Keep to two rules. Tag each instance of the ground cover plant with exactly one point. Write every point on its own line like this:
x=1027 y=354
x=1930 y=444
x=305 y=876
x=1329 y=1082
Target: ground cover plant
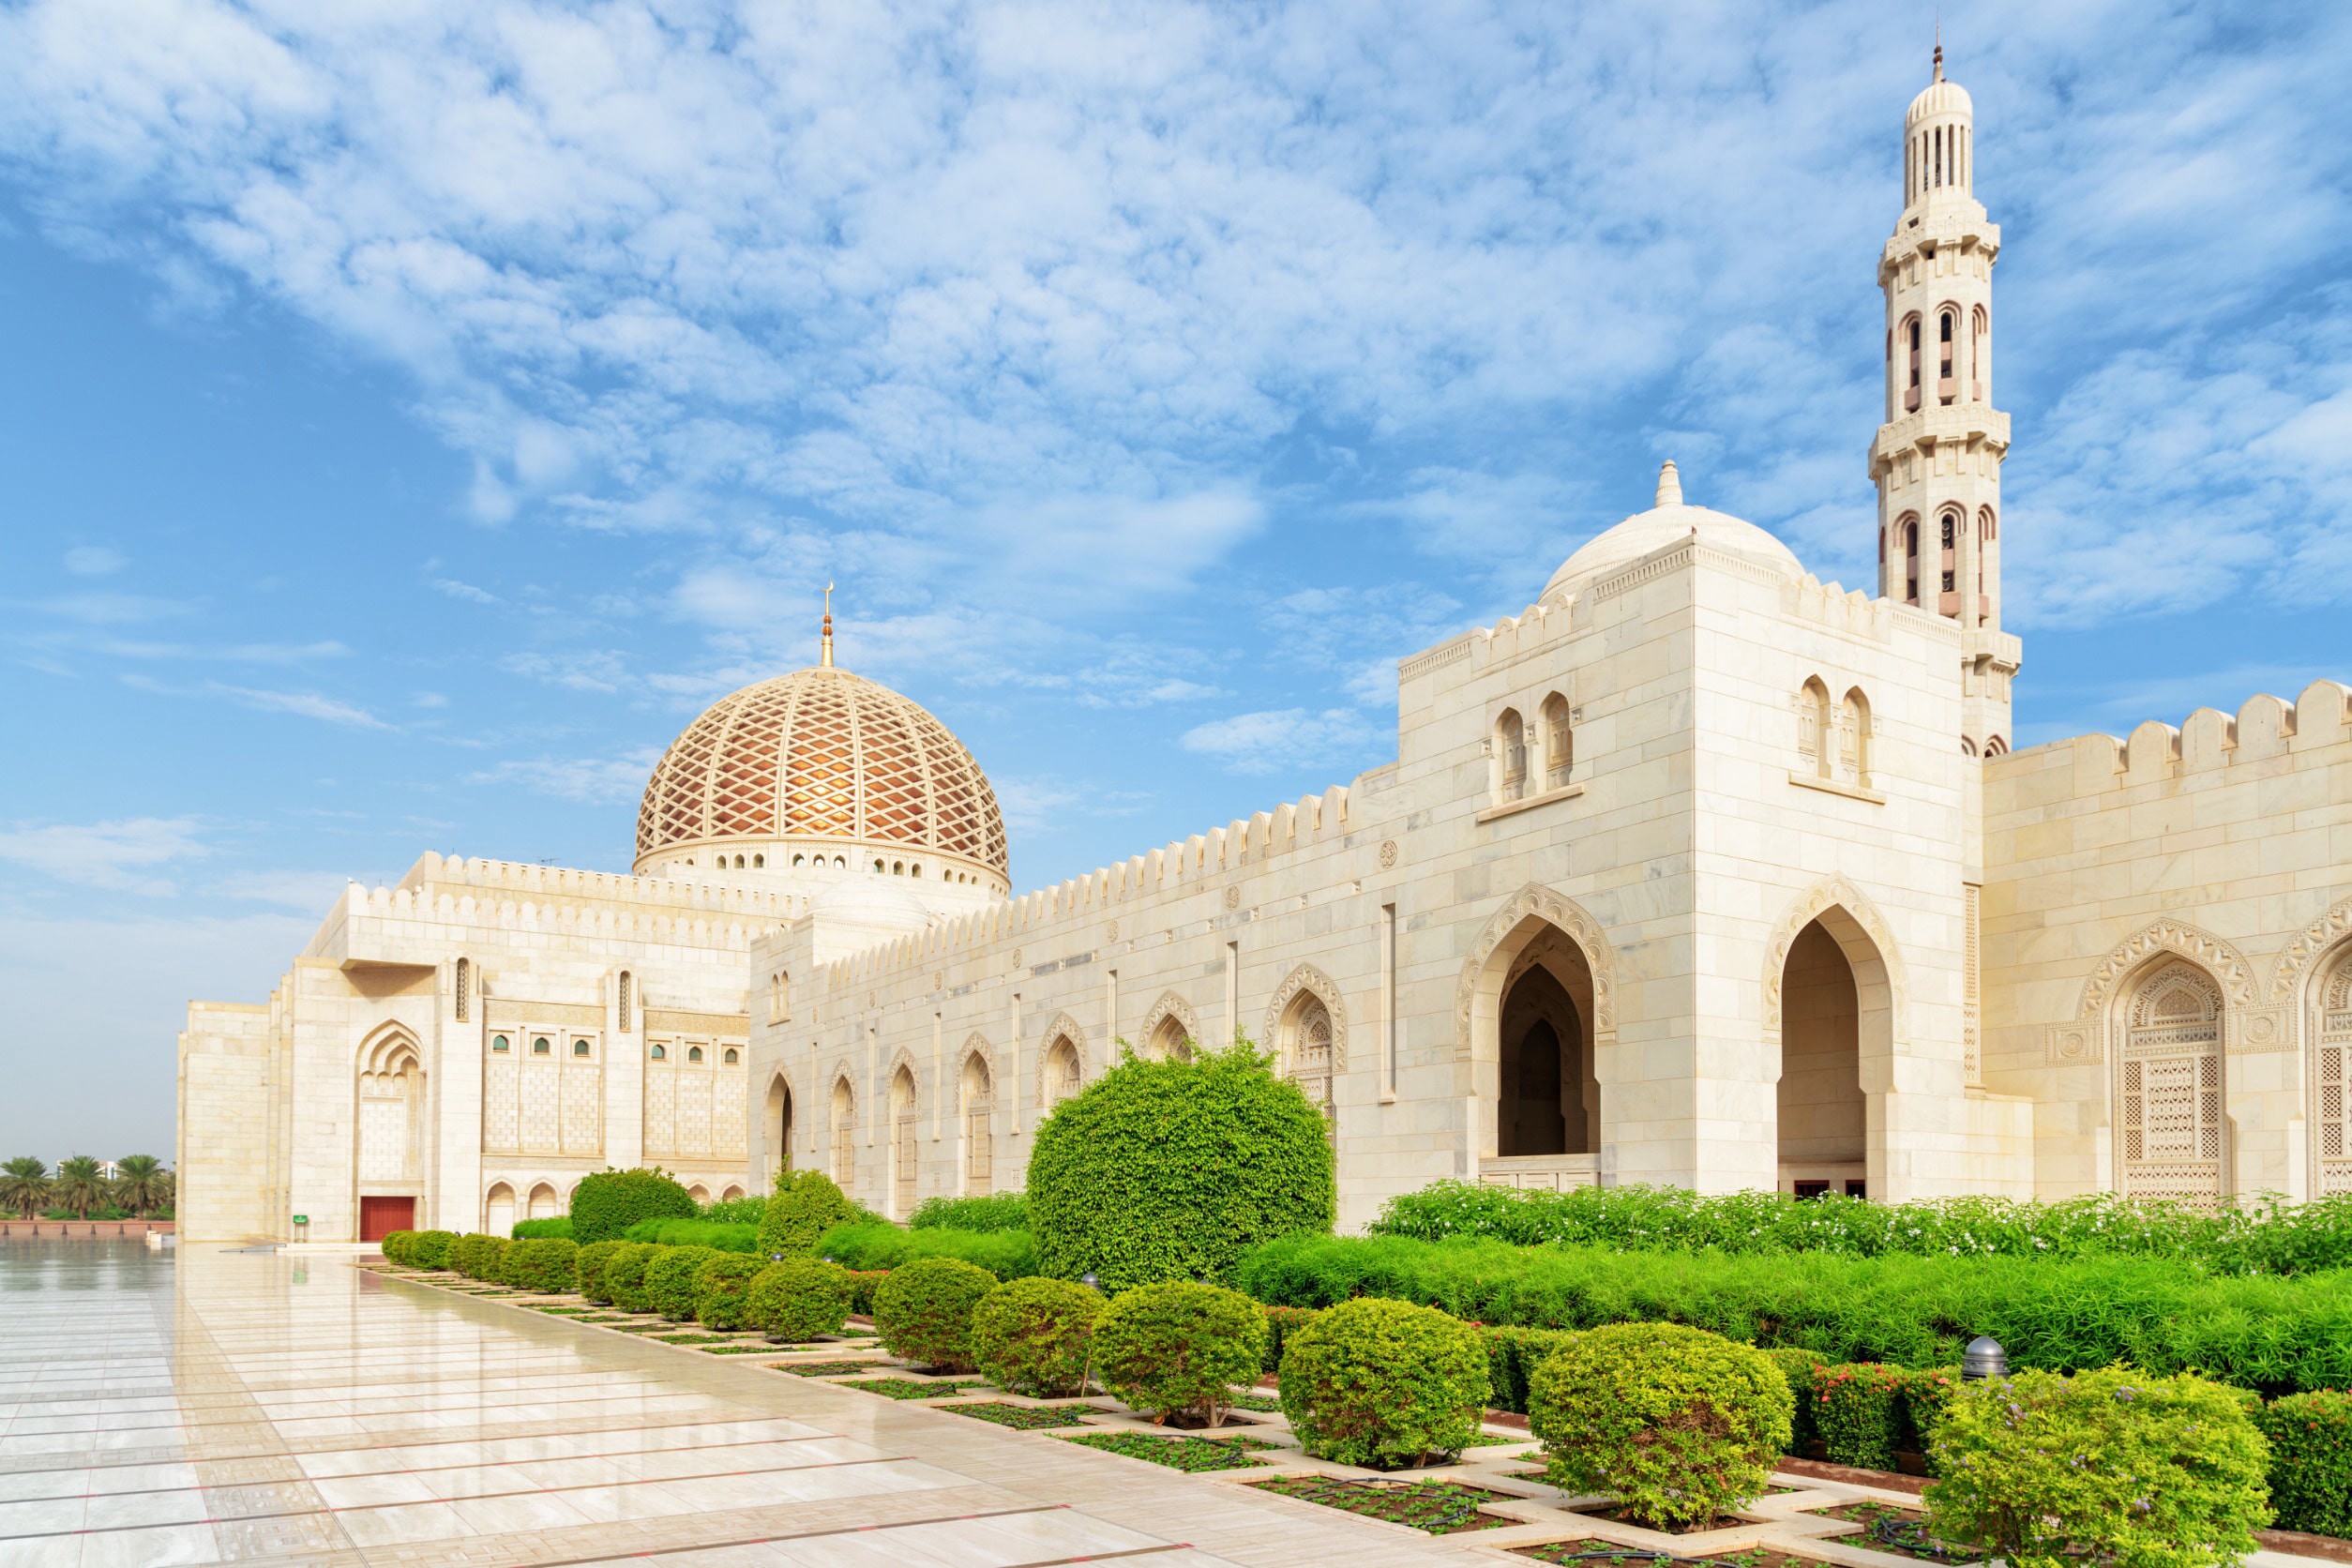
x=1183 y=1351
x=923 y=1311
x=798 y=1300
x=1190 y=1454
x=1440 y=1507
x=1165 y=1169
x=607 y=1203
x=2258 y=1235
x=1027 y=1418
x=911 y=1388
x=2272 y=1335
x=1889 y=1528
x=1593 y=1549
x=1035 y=1337
x=830 y=1368
x=996 y=1211
x=872 y=1246
x=1384 y=1384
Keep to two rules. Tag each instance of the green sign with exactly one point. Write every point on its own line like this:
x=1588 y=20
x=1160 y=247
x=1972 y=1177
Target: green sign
x=302 y=1219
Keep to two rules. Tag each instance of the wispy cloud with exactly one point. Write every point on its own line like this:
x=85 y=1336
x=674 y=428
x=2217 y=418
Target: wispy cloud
x=126 y=855
x=1274 y=740
x=604 y=781
x=305 y=705
x=95 y=560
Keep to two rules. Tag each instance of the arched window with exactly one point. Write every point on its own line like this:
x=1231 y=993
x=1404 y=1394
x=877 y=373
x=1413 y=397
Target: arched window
x=731 y=1059
x=878 y=867
x=1987 y=526
x=1511 y=754
x=2168 y=1086
x=916 y=870
x=978 y=1090
x=1907 y=537
x=844 y=1134
x=694 y=1053
x=1308 y=1058
x=840 y=863
x=1063 y=1071
x=1995 y=746
x=627 y=987
x=542 y=1046
x=799 y=861
x=1947 y=328
x=580 y=1048
x=500 y=1041
x=1980 y=344
x=759 y=862
x=1910 y=385
x=1812 y=727
x=1559 y=753
x=2331 y=1085
x=1853 y=739
x=779 y=997
x=1951 y=524
x=658 y=1051
x=739 y=862
x=904 y=1166
x=898 y=867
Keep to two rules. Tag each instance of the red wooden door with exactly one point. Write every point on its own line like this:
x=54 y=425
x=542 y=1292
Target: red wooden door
x=380 y=1217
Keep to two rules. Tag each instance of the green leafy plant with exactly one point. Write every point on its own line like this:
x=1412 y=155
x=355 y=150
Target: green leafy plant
x=557 y=1229
x=2111 y=1467
x=395 y=1245
x=1926 y=1395
x=588 y=1265
x=863 y=1283
x=736 y=1210
x=1165 y=1169
x=722 y=1288
x=140 y=1185
x=718 y=1235
x=1858 y=1410
x=1679 y=1425
x=872 y=1244
x=624 y=1275
x=669 y=1280
x=1281 y=1323
x=1182 y=1350
x=541 y=1264
x=79 y=1185
x=798 y=1300
x=1513 y=1354
x=923 y=1311
x=24 y=1185
x=1033 y=1336
x=2311 y=1461
x=804 y=1205
x=478 y=1257
x=430 y=1249
x=998 y=1211
x=608 y=1202
x=1384 y=1384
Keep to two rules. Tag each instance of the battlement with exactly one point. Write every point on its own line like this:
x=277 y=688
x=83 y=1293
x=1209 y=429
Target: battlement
x=2208 y=742
x=557 y=881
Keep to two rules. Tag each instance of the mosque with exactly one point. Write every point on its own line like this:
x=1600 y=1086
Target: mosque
x=1699 y=871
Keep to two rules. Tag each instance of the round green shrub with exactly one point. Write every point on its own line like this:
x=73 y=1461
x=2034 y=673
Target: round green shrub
x=1679 y=1424
x=670 y=1279
x=542 y=1264
x=2112 y=1466
x=395 y=1246
x=722 y=1288
x=798 y=1300
x=430 y=1249
x=588 y=1269
x=1163 y=1170
x=804 y=1206
x=625 y=1275
x=608 y=1202
x=1384 y=1384
x=923 y=1311
x=1181 y=1349
x=1032 y=1336
x=478 y=1256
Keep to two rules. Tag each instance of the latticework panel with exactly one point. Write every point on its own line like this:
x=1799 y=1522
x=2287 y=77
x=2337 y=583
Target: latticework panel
x=540 y=1132
x=500 y=1097
x=2172 y=1116
x=584 y=1110
x=2333 y=1094
x=979 y=1151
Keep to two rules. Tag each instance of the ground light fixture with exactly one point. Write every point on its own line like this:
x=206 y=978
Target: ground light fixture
x=1983 y=1358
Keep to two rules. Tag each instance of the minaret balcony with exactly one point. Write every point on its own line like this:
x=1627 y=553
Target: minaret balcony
x=1944 y=424
x=1955 y=228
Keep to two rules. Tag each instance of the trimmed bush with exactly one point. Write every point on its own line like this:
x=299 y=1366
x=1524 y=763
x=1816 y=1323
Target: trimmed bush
x=2275 y=1335
x=2111 y=1467
x=588 y=1270
x=1679 y=1425
x=560 y=1227
x=1180 y=1349
x=624 y=1275
x=804 y=1205
x=1858 y=1410
x=1163 y=1170
x=430 y=1249
x=798 y=1300
x=1281 y=1323
x=878 y=1246
x=1033 y=1336
x=478 y=1256
x=670 y=1279
x=608 y=1202
x=2311 y=1461
x=1384 y=1384
x=923 y=1311
x=1926 y=1395
x=1513 y=1354
x=395 y=1245
x=1801 y=1368
x=863 y=1283
x=722 y=1288
x=998 y=1211
x=716 y=1235
x=541 y=1264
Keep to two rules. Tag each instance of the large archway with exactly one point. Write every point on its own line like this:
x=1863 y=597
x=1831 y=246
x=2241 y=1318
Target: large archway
x=1536 y=1020
x=1823 y=1114
x=1547 y=1098
x=777 y=1131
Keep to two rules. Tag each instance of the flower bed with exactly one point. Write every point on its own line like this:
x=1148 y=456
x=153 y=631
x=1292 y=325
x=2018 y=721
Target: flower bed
x=908 y=1388
x=1440 y=1507
x=831 y=1368
x=1190 y=1454
x=1891 y=1529
x=1027 y=1418
x=1591 y=1548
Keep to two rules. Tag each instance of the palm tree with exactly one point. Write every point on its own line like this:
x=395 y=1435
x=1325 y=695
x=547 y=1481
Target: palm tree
x=24 y=1184
x=141 y=1184
x=80 y=1184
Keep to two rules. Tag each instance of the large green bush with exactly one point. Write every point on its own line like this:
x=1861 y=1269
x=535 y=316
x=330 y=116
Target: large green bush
x=1182 y=1350
x=608 y=1202
x=717 y=1235
x=2271 y=1334
x=624 y=1275
x=1034 y=1336
x=430 y=1249
x=722 y=1290
x=395 y=1246
x=588 y=1269
x=923 y=1311
x=1163 y=1170
x=2260 y=1235
x=560 y=1227
x=996 y=1211
x=670 y=1279
x=1384 y=1384
x=804 y=1205
x=798 y=1300
x=879 y=1244
x=478 y=1256
x=2112 y=1466
x=542 y=1264
x=2311 y=1461
x=736 y=1210
x=1281 y=1323
x=1679 y=1425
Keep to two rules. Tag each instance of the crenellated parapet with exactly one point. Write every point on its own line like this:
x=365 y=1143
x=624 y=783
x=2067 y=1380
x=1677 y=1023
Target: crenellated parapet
x=2207 y=744
x=545 y=883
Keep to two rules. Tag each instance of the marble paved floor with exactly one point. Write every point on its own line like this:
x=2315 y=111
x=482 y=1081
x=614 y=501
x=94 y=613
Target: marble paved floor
x=224 y=1407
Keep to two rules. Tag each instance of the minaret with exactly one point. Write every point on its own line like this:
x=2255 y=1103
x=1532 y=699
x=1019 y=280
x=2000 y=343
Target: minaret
x=1937 y=458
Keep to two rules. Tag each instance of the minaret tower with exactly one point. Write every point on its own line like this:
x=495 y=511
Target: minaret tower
x=1937 y=458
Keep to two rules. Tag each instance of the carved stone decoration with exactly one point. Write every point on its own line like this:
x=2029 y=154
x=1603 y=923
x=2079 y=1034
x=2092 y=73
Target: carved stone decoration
x=975 y=1044
x=2200 y=947
x=1388 y=855
x=1111 y=933
x=2072 y=1045
x=1818 y=900
x=2317 y=938
x=1306 y=977
x=904 y=1058
x=1234 y=897
x=1168 y=1006
x=843 y=1073
x=1568 y=916
x=1062 y=1026
x=2259 y=1029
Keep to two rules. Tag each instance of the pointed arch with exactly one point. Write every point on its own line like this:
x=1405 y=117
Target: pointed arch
x=1853 y=991
x=2166 y=1026
x=975 y=1092
x=1061 y=1075
x=2286 y=978
x=1850 y=915
x=1479 y=989
x=1170 y=1016
x=902 y=1061
x=841 y=1118
x=388 y=1047
x=2226 y=964
x=1302 y=980
x=782 y=1106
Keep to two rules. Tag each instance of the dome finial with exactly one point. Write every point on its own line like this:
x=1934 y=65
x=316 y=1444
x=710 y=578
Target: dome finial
x=1669 y=486
x=824 y=651
x=1939 y=44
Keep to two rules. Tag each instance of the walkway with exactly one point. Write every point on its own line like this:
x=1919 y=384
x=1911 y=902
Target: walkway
x=246 y=1408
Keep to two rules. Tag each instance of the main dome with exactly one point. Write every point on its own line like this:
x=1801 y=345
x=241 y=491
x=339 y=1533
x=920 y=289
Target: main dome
x=1669 y=521
x=823 y=757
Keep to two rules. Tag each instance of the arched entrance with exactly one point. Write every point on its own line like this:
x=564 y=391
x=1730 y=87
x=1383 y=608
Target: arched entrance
x=1535 y=1007
x=389 y=1162
x=780 y=1127
x=903 y=1165
x=978 y=1095
x=1547 y=1099
x=1823 y=1115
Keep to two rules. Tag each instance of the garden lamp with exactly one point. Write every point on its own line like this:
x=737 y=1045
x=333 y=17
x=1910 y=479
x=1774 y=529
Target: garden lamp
x=1983 y=1358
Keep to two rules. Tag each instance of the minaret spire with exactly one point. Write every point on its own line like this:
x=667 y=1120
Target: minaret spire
x=824 y=648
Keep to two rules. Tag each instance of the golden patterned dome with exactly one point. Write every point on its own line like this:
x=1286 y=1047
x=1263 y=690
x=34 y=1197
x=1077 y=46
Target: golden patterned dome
x=827 y=759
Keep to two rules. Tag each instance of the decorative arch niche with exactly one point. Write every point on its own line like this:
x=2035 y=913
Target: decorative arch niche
x=1307 y=1024
x=2171 y=1137
x=975 y=1090
x=1834 y=996
x=1535 y=1016
x=389 y=1156
x=1171 y=1029
x=1060 y=1062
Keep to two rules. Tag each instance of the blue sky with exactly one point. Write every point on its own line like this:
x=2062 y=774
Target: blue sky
x=416 y=414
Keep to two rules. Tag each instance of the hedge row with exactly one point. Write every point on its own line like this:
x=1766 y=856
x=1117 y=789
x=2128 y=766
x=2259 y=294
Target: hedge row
x=718 y=1235
x=1000 y=1211
x=2264 y=1235
x=879 y=1244
x=2272 y=1335
x=560 y=1227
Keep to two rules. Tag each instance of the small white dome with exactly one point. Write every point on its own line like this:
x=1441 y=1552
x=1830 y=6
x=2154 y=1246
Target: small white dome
x=1938 y=97
x=1669 y=522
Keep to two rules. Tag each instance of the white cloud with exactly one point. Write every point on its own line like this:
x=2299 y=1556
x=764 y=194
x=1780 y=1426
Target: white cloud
x=124 y=854
x=311 y=891
x=95 y=561
x=607 y=780
x=306 y=705
x=465 y=591
x=1272 y=741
